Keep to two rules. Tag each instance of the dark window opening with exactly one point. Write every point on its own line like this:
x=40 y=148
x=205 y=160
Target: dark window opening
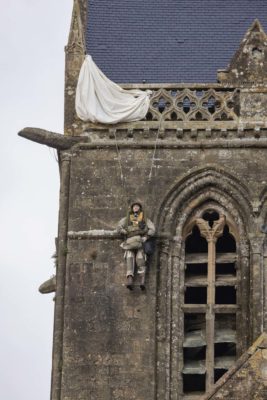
x=211 y=216
x=173 y=116
x=225 y=355
x=194 y=360
x=225 y=269
x=195 y=295
x=196 y=271
x=225 y=349
x=162 y=104
x=194 y=354
x=257 y=53
x=199 y=269
x=186 y=105
x=211 y=105
x=194 y=383
x=149 y=116
x=223 y=117
x=186 y=109
x=195 y=243
x=194 y=323
x=225 y=295
x=218 y=373
x=199 y=116
x=194 y=333
x=225 y=322
x=226 y=243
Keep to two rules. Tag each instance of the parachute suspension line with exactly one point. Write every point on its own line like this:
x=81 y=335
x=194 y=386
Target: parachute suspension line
x=154 y=151
x=53 y=153
x=123 y=182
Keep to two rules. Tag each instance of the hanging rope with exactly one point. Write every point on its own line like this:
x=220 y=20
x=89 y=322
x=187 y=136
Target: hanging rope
x=155 y=149
x=53 y=154
x=123 y=181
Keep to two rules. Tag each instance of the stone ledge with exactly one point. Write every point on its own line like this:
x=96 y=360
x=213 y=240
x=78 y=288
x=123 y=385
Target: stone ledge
x=171 y=144
x=105 y=234
x=94 y=234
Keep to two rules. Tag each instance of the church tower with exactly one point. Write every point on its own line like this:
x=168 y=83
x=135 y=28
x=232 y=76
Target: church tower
x=197 y=163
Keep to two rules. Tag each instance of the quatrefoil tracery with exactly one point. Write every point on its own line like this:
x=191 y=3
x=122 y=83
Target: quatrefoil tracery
x=192 y=105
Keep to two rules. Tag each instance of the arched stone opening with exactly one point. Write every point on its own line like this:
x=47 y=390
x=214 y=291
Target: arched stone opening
x=197 y=184
x=208 y=283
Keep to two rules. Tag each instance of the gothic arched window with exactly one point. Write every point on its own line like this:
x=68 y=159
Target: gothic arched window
x=210 y=303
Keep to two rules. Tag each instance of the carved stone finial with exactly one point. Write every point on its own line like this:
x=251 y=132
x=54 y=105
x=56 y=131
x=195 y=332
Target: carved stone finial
x=249 y=64
x=76 y=42
x=84 y=4
x=208 y=232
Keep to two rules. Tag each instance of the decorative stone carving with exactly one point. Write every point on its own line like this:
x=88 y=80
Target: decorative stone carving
x=208 y=232
x=202 y=184
x=194 y=105
x=76 y=42
x=200 y=191
x=249 y=63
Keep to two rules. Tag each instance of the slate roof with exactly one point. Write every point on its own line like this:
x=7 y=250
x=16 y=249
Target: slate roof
x=163 y=41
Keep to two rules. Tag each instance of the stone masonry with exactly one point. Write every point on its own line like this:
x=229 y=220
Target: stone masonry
x=200 y=147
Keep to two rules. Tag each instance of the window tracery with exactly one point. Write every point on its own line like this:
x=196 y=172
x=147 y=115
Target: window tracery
x=193 y=105
x=206 y=193
x=210 y=303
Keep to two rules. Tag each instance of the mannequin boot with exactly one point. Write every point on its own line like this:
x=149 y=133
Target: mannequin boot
x=142 y=281
x=130 y=273
x=129 y=283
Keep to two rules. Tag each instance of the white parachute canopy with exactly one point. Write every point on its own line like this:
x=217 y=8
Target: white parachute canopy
x=98 y=99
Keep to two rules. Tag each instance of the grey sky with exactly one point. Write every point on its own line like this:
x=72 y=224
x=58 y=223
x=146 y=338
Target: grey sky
x=32 y=38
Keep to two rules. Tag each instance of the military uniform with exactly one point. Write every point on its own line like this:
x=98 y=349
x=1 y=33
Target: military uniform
x=137 y=229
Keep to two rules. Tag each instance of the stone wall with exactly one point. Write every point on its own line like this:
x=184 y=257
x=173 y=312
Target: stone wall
x=109 y=333
x=113 y=344
x=98 y=196
x=110 y=343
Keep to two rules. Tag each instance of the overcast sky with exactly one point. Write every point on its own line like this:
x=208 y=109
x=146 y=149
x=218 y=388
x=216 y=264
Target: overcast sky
x=33 y=34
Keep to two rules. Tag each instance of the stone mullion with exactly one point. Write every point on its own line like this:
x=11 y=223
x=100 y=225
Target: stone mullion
x=211 y=234
x=242 y=314
x=257 y=287
x=265 y=288
x=169 y=326
x=210 y=318
x=162 y=321
x=177 y=335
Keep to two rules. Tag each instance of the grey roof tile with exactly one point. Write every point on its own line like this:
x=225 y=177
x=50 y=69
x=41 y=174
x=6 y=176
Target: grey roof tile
x=168 y=40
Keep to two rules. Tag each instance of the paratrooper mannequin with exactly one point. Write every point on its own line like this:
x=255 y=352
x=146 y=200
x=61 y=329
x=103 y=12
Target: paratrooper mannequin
x=137 y=229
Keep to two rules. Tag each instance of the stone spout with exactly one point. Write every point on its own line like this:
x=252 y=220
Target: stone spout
x=48 y=286
x=51 y=139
